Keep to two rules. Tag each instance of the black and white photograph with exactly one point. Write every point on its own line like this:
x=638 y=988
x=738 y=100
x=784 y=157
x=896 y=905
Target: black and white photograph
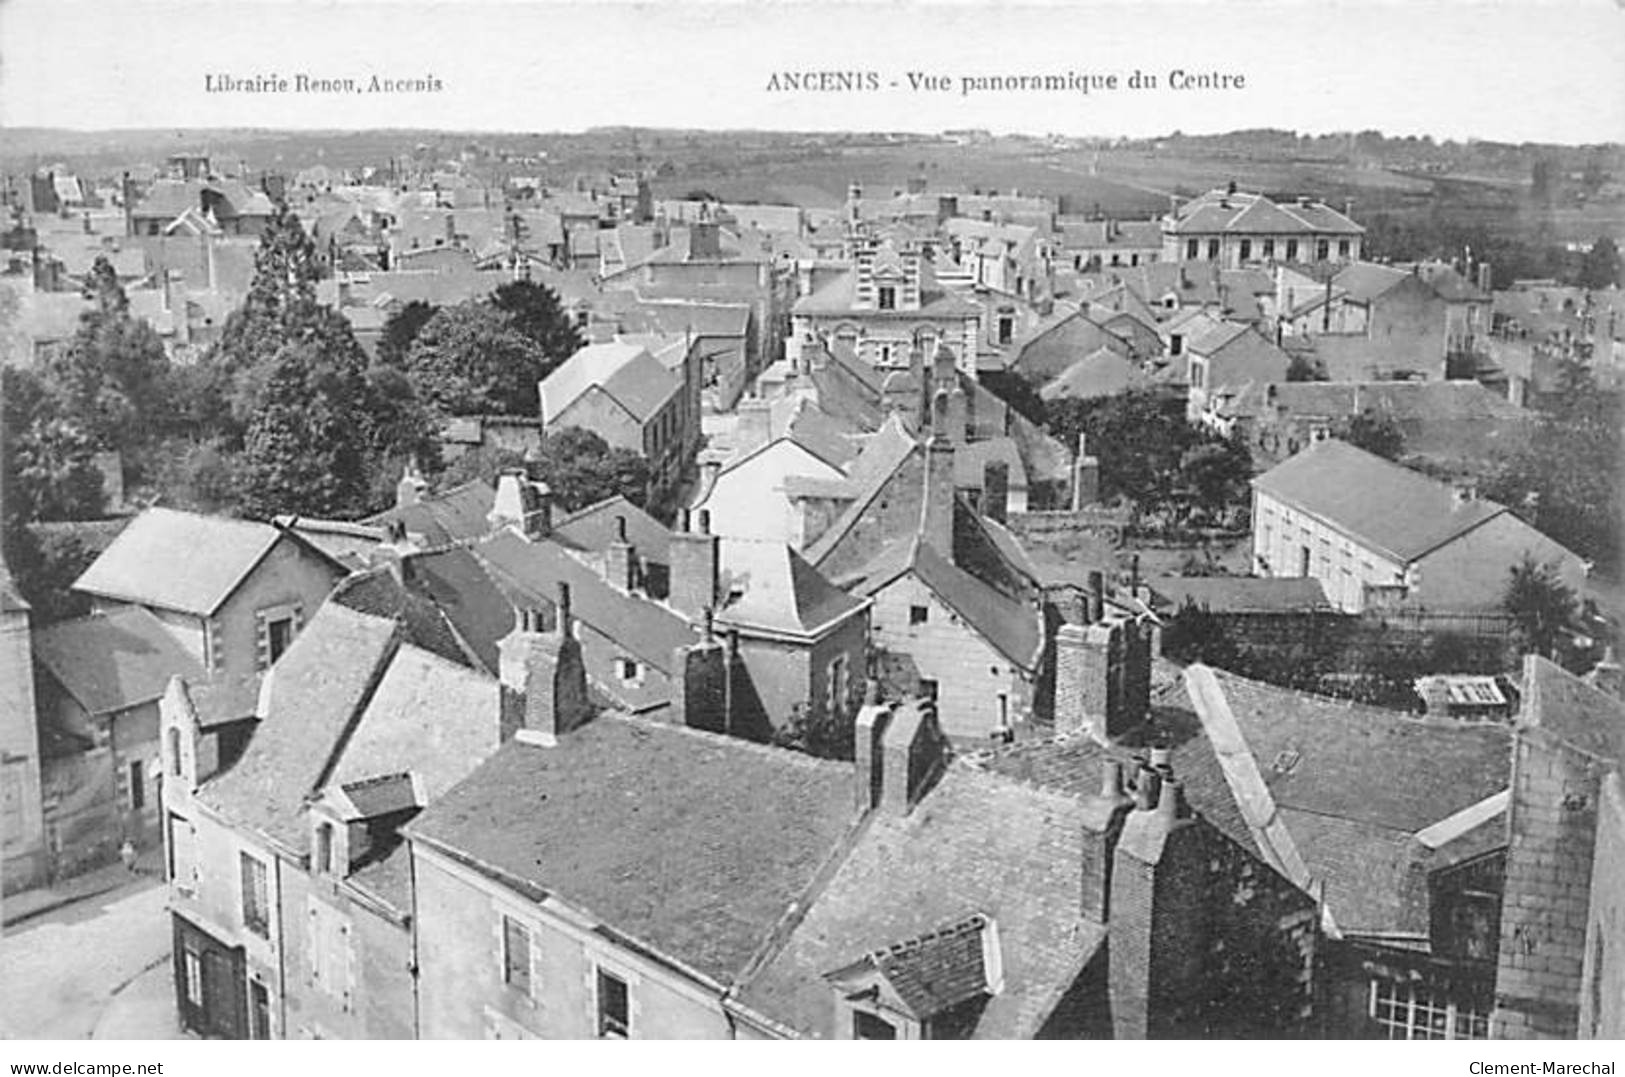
x=770 y=520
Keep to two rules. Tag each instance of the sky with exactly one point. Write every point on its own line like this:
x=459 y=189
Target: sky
x=1513 y=71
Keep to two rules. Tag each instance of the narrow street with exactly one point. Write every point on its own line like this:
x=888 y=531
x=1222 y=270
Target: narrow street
x=62 y=972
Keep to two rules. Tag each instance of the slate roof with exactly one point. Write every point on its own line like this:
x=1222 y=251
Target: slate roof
x=1243 y=212
x=315 y=692
x=1353 y=784
x=1103 y=372
x=721 y=836
x=1365 y=281
x=178 y=560
x=938 y=970
x=467 y=597
x=627 y=373
x=778 y=590
x=648 y=630
x=378 y=593
x=593 y=529
x=459 y=514
x=1401 y=512
x=839 y=296
x=977 y=842
x=112 y=661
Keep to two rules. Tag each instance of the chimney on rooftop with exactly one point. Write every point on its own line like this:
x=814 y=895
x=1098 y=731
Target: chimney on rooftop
x=695 y=556
x=1103 y=825
x=937 y=500
x=1102 y=678
x=620 y=560
x=898 y=751
x=700 y=689
x=544 y=681
x=1463 y=492
x=522 y=504
x=410 y=490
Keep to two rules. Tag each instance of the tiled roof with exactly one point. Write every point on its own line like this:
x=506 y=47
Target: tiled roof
x=936 y=971
x=648 y=630
x=778 y=590
x=108 y=662
x=178 y=560
x=315 y=692
x=378 y=593
x=455 y=515
x=1401 y=512
x=691 y=844
x=976 y=842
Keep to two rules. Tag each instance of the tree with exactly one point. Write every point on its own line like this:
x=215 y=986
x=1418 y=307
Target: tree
x=306 y=448
x=815 y=731
x=469 y=359
x=1565 y=482
x=1540 y=604
x=1375 y=432
x=534 y=311
x=582 y=469
x=112 y=381
x=1600 y=268
x=1304 y=367
x=1194 y=634
x=1138 y=436
x=481 y=464
x=1216 y=475
x=400 y=330
x=47 y=462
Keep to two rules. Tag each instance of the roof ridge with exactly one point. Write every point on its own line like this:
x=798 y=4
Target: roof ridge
x=790 y=756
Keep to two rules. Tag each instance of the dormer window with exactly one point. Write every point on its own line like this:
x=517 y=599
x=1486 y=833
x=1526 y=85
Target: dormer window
x=932 y=987
x=887 y=297
x=869 y=1026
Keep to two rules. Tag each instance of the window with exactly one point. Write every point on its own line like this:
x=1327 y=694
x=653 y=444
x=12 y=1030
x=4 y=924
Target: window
x=627 y=670
x=1323 y=250
x=259 y=1011
x=516 y=955
x=868 y=1026
x=1193 y=247
x=928 y=689
x=1269 y=248
x=838 y=687
x=1246 y=250
x=1213 y=250
x=1176 y=343
x=192 y=973
x=888 y=297
x=614 y=1009
x=1007 y=330
x=1292 y=250
x=918 y=615
x=277 y=627
x=1413 y=1012
x=1342 y=248
x=138 y=785
x=174 y=736
x=256 y=901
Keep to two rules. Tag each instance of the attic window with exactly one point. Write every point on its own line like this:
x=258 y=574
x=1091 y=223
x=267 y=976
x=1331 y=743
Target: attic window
x=629 y=671
x=869 y=1026
x=918 y=615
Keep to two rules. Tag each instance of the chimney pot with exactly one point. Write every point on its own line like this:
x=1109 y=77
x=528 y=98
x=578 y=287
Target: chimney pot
x=1147 y=789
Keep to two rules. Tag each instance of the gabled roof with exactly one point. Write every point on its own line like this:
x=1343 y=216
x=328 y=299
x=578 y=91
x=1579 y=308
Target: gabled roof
x=113 y=661
x=312 y=695
x=1103 y=372
x=778 y=590
x=932 y=973
x=977 y=842
x=1398 y=511
x=722 y=836
x=378 y=592
x=1351 y=785
x=593 y=529
x=179 y=561
x=1243 y=212
x=627 y=373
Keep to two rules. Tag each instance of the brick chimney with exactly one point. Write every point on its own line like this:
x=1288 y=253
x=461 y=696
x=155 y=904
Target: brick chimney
x=699 y=691
x=410 y=490
x=912 y=754
x=937 y=499
x=1102 y=678
x=522 y=504
x=1158 y=889
x=1104 y=815
x=695 y=559
x=620 y=560
x=545 y=670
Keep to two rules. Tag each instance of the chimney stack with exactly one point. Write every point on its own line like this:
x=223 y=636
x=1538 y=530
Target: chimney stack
x=1102 y=678
x=1103 y=825
x=867 y=747
x=1463 y=492
x=937 y=500
x=620 y=561
x=912 y=753
x=522 y=504
x=695 y=556
x=543 y=676
x=700 y=696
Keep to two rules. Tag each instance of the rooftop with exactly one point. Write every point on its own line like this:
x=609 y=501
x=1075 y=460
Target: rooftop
x=112 y=661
